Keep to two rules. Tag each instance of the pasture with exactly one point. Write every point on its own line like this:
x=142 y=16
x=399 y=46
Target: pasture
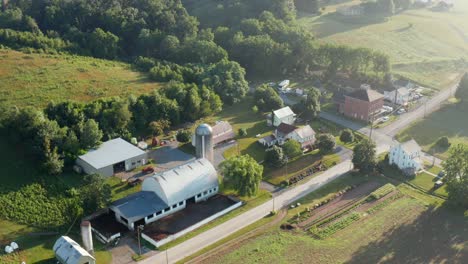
x=426 y=46
x=37 y=79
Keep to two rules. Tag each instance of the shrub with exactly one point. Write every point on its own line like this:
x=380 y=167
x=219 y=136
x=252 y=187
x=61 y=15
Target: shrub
x=443 y=143
x=347 y=136
x=183 y=136
x=292 y=148
x=242 y=132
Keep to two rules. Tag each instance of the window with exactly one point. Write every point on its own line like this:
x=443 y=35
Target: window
x=204 y=193
x=199 y=195
x=181 y=203
x=133 y=163
x=139 y=161
x=174 y=206
x=167 y=209
x=209 y=191
x=150 y=216
x=159 y=213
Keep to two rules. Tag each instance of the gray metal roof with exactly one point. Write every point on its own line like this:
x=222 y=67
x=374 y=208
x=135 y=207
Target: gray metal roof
x=111 y=152
x=67 y=251
x=138 y=205
x=283 y=112
x=182 y=182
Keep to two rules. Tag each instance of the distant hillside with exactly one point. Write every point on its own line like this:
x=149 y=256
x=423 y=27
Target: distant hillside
x=36 y=79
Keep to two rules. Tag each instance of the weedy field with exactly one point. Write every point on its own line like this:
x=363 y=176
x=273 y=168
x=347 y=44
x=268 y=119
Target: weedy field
x=426 y=46
x=37 y=79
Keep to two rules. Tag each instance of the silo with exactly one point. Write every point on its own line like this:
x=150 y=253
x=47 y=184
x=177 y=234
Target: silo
x=87 y=237
x=204 y=142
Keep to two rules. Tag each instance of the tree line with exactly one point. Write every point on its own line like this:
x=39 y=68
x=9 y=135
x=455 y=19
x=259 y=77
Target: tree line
x=56 y=135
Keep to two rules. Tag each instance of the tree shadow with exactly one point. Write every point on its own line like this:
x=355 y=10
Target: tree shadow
x=438 y=235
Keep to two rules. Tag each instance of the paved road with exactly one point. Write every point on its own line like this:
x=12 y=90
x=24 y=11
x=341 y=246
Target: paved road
x=422 y=111
x=227 y=228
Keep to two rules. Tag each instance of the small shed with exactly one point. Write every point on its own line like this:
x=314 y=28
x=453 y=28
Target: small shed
x=67 y=251
x=112 y=156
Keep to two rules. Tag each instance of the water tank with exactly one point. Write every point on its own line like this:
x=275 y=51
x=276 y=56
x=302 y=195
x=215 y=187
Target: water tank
x=204 y=142
x=86 y=236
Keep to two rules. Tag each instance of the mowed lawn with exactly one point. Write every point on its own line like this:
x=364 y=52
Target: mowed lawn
x=423 y=45
x=37 y=79
x=389 y=235
x=450 y=121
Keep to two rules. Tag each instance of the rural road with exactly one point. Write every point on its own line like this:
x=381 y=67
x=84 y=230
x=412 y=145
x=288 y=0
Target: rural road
x=229 y=227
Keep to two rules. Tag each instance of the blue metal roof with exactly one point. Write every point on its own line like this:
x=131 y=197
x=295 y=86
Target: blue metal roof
x=138 y=205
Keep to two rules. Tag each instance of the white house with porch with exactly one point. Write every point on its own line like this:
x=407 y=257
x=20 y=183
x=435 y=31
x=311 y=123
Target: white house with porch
x=304 y=135
x=407 y=156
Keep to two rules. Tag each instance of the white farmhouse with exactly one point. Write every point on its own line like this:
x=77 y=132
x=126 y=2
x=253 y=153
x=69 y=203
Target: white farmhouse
x=283 y=115
x=400 y=96
x=304 y=135
x=407 y=156
x=67 y=251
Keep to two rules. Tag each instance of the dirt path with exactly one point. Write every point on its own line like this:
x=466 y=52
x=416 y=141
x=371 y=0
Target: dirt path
x=236 y=242
x=341 y=202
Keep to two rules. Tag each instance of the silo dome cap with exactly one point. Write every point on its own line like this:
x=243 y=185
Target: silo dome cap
x=204 y=130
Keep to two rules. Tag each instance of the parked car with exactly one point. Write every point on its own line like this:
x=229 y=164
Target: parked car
x=388 y=108
x=438 y=184
x=401 y=111
x=385 y=119
x=441 y=174
x=147 y=170
x=134 y=181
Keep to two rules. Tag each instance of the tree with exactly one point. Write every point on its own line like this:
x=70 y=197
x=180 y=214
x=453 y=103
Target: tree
x=183 y=136
x=312 y=102
x=364 y=156
x=275 y=157
x=326 y=143
x=95 y=194
x=103 y=44
x=71 y=144
x=267 y=99
x=443 y=143
x=243 y=173
x=292 y=148
x=456 y=168
x=91 y=135
x=158 y=127
x=53 y=164
x=347 y=136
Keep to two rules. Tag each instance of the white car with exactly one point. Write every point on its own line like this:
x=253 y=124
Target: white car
x=385 y=119
x=388 y=108
x=401 y=111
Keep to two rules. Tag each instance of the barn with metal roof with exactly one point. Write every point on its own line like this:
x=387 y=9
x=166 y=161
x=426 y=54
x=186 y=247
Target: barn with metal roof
x=67 y=251
x=167 y=192
x=111 y=157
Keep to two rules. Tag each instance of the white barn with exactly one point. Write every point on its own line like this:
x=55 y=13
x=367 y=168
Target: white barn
x=67 y=251
x=167 y=192
x=283 y=115
x=111 y=157
x=407 y=156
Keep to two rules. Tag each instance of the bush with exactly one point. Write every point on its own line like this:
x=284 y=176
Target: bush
x=382 y=191
x=347 y=136
x=242 y=132
x=292 y=148
x=326 y=143
x=183 y=136
x=443 y=143
x=275 y=157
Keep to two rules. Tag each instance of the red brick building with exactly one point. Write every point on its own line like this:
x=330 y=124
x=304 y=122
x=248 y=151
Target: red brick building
x=362 y=104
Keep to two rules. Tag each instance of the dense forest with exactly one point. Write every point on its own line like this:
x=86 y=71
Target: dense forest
x=205 y=64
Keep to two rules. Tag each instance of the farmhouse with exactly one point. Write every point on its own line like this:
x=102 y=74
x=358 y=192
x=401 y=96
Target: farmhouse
x=400 y=96
x=363 y=104
x=304 y=135
x=407 y=156
x=284 y=115
x=111 y=157
x=167 y=192
x=67 y=251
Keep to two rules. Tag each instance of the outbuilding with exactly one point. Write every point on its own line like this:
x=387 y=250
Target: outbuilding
x=67 y=251
x=111 y=157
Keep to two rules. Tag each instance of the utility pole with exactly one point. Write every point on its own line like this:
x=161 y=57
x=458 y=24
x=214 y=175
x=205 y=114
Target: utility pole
x=167 y=257
x=139 y=229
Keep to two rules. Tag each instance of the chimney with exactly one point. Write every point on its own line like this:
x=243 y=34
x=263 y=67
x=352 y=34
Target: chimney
x=87 y=237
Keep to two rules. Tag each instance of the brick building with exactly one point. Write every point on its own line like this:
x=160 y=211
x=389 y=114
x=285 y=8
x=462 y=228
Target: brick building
x=363 y=104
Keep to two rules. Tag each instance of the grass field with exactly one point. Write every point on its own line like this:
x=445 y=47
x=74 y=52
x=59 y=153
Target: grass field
x=423 y=45
x=449 y=121
x=387 y=235
x=37 y=79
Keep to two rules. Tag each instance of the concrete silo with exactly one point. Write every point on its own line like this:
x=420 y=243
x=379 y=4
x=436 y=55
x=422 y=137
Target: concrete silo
x=204 y=142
